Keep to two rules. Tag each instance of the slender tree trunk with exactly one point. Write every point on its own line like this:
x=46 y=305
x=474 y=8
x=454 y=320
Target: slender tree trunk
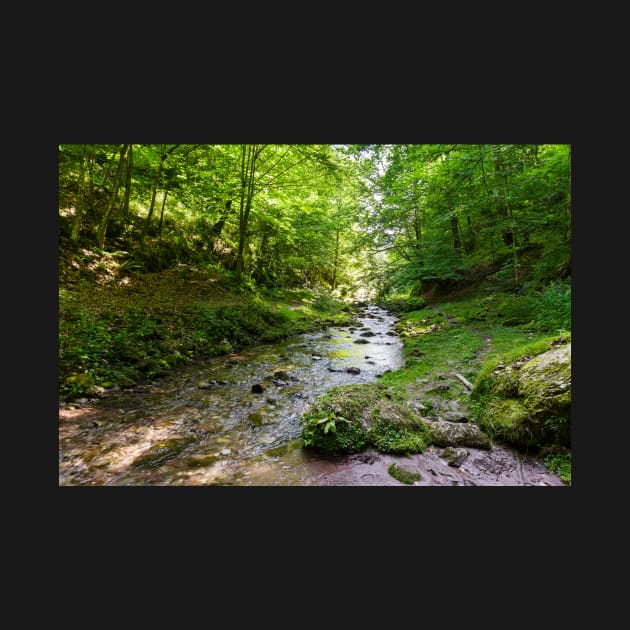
x=336 y=261
x=501 y=206
x=162 y=212
x=217 y=228
x=250 y=155
x=517 y=280
x=125 y=206
x=163 y=157
x=79 y=206
x=156 y=183
x=457 y=243
x=102 y=228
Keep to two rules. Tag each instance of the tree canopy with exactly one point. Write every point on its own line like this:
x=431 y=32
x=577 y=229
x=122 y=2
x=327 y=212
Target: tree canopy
x=388 y=218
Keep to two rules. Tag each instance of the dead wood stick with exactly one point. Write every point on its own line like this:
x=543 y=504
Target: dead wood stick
x=466 y=382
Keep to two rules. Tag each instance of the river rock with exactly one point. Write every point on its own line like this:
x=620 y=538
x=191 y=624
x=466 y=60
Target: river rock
x=454 y=416
x=258 y=388
x=458 y=434
x=455 y=456
x=353 y=370
x=162 y=452
x=353 y=418
x=529 y=406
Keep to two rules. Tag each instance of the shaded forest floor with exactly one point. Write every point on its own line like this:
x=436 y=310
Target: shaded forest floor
x=118 y=327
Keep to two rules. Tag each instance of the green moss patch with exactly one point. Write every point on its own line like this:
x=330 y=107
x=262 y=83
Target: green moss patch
x=351 y=418
x=403 y=474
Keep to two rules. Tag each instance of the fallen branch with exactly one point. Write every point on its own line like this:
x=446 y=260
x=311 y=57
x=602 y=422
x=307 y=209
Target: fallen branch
x=466 y=382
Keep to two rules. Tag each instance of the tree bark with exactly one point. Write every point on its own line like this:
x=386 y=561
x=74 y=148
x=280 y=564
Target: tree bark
x=102 y=228
x=457 y=243
x=217 y=228
x=125 y=206
x=163 y=157
x=250 y=154
x=336 y=261
x=79 y=206
x=162 y=211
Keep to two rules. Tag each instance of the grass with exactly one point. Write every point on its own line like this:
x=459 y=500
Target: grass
x=472 y=337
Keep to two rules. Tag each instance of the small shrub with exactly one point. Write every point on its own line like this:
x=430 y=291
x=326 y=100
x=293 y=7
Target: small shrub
x=560 y=463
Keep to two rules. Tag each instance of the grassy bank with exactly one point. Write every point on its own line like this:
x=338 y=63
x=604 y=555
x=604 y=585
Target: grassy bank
x=471 y=337
x=117 y=333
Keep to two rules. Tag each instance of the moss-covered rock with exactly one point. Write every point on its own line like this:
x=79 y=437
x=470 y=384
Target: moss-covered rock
x=528 y=403
x=404 y=474
x=458 y=434
x=350 y=418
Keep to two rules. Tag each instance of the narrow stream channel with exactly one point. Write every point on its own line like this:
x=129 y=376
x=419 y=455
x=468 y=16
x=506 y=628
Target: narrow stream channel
x=204 y=425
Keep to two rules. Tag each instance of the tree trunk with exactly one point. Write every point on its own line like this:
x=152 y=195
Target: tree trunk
x=102 y=228
x=217 y=228
x=79 y=206
x=125 y=206
x=501 y=206
x=250 y=155
x=457 y=243
x=336 y=261
x=163 y=157
x=162 y=212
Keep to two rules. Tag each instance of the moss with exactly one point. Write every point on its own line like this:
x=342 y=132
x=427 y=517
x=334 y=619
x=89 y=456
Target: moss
x=505 y=419
x=530 y=406
x=353 y=417
x=388 y=437
x=403 y=475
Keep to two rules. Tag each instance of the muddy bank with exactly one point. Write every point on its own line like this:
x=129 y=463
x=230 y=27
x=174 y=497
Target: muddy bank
x=500 y=466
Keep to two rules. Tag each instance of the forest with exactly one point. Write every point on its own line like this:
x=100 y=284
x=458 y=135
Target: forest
x=174 y=255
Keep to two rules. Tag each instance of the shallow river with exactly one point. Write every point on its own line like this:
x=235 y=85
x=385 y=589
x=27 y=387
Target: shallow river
x=204 y=425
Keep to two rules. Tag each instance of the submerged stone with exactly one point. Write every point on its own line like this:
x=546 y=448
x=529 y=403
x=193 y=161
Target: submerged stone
x=162 y=452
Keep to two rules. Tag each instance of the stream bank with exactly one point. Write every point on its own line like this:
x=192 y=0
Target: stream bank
x=236 y=420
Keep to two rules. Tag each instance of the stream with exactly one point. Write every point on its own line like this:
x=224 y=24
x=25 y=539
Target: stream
x=236 y=420
x=229 y=420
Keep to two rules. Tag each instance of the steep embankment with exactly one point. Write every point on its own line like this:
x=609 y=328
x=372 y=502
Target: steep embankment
x=116 y=328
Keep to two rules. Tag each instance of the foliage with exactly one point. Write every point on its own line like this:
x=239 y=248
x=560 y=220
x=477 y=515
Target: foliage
x=403 y=304
x=389 y=437
x=333 y=433
x=350 y=418
x=560 y=463
x=106 y=339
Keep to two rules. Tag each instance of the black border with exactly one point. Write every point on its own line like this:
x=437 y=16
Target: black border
x=437 y=115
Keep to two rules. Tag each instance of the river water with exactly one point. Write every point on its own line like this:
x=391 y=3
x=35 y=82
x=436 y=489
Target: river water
x=204 y=425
